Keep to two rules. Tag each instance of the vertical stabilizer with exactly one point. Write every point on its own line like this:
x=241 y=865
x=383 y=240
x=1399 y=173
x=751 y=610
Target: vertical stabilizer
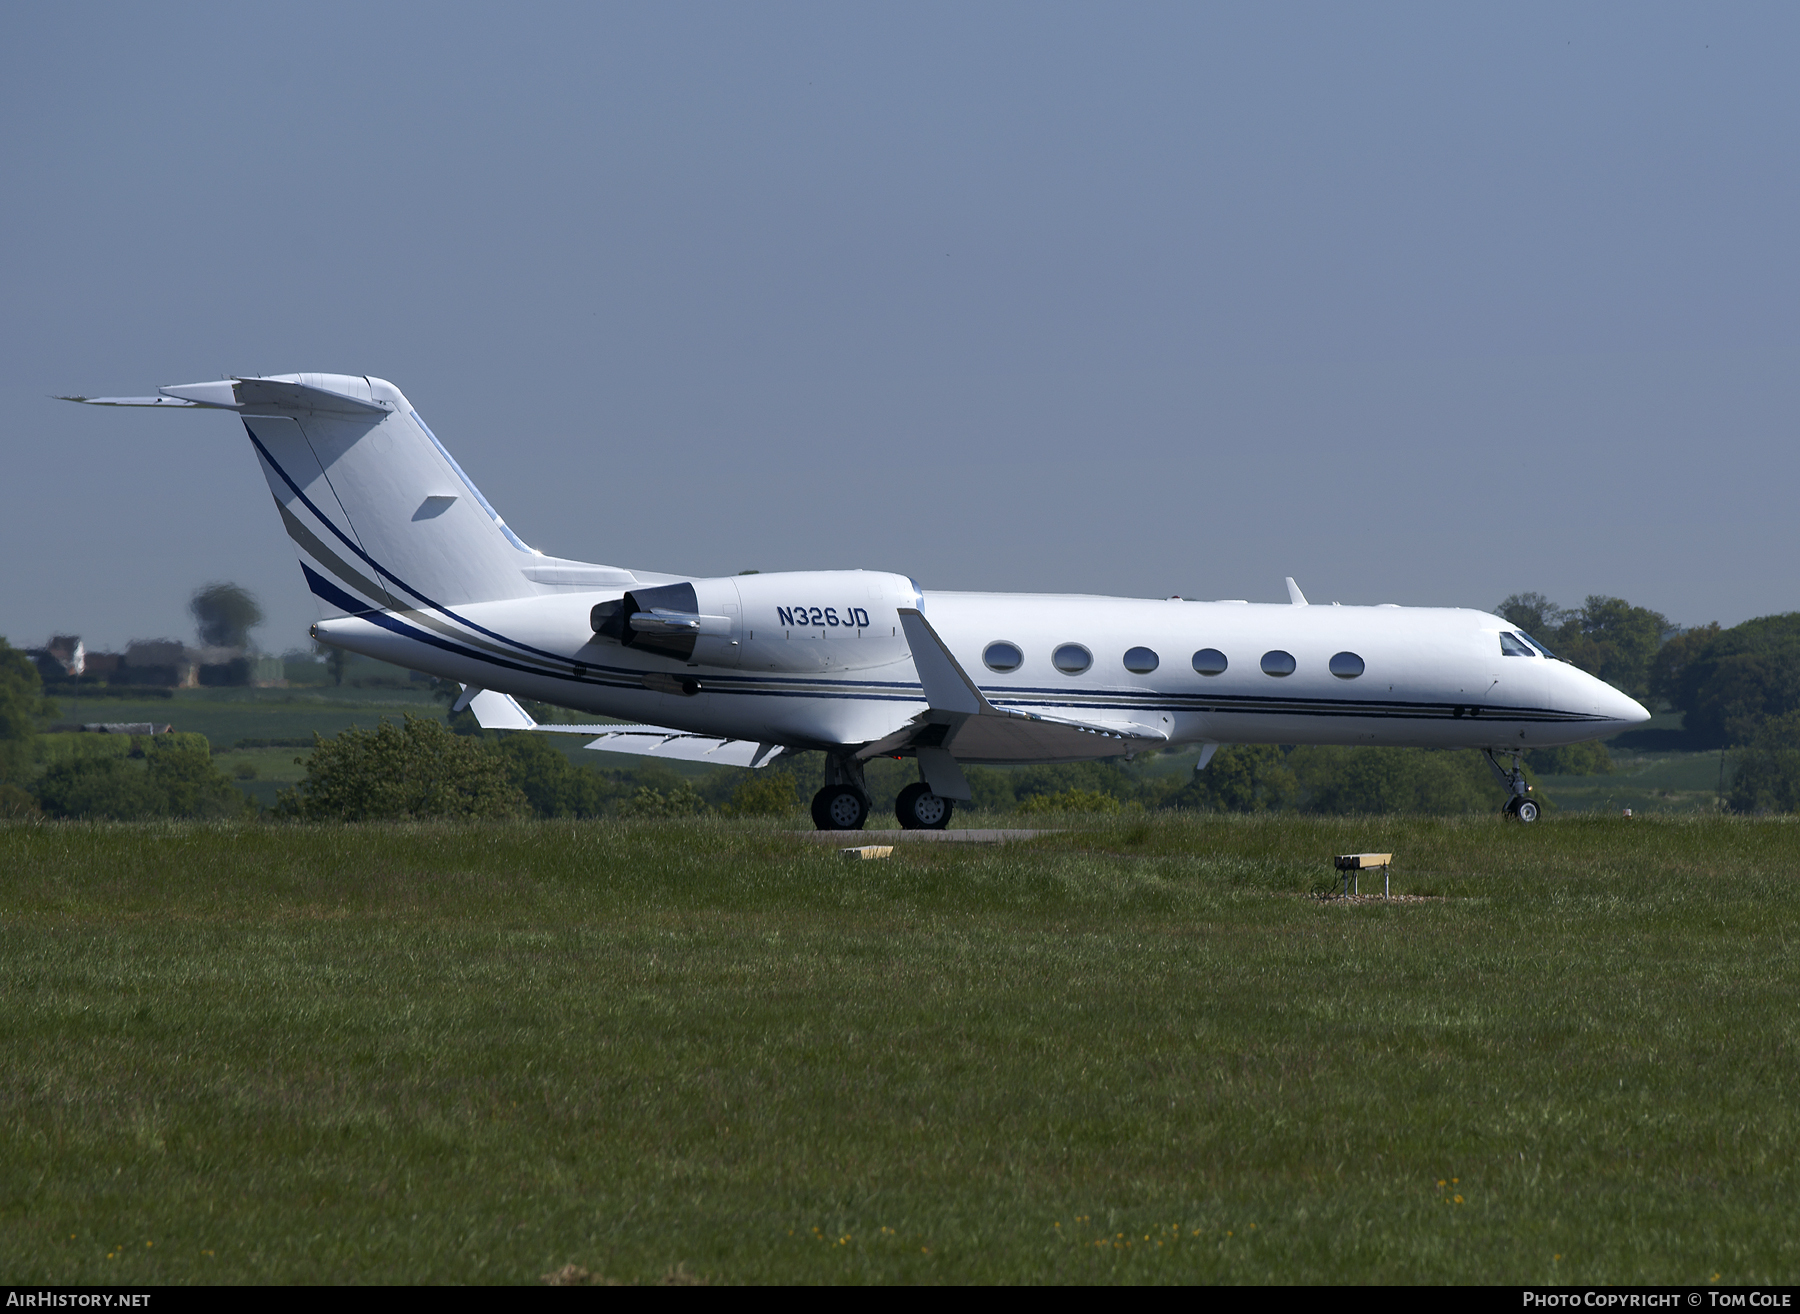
x=379 y=512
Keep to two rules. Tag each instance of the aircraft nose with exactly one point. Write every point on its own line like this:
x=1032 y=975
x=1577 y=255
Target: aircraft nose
x=1625 y=708
x=1605 y=701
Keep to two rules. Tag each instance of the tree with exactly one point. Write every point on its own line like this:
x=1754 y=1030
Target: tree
x=22 y=704
x=1728 y=682
x=1614 y=640
x=1240 y=778
x=224 y=615
x=1673 y=659
x=1533 y=613
x=1342 y=781
x=1584 y=759
x=1767 y=777
x=1607 y=637
x=418 y=769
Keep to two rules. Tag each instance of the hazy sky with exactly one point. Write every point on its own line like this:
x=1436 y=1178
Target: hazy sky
x=1422 y=304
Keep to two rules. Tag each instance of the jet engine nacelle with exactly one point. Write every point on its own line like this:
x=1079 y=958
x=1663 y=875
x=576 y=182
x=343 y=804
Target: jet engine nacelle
x=799 y=621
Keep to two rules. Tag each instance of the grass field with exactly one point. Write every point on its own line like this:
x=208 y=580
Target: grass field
x=1132 y=1052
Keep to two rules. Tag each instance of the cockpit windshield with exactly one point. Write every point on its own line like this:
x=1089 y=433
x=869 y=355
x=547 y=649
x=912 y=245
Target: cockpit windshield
x=1513 y=646
x=1540 y=647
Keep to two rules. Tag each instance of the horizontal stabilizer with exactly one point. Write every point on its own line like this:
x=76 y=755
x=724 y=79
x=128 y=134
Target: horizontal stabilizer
x=164 y=402
x=291 y=395
x=279 y=393
x=498 y=711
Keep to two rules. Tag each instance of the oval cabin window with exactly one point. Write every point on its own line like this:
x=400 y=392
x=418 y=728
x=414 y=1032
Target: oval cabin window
x=1210 y=661
x=1141 y=661
x=1346 y=666
x=1278 y=663
x=1003 y=657
x=1072 y=659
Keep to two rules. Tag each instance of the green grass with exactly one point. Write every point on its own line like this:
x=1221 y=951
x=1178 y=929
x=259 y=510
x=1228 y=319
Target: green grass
x=1135 y=1052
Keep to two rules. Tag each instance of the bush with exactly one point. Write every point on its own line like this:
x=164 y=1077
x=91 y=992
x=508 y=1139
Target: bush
x=17 y=805
x=418 y=769
x=681 y=801
x=177 y=778
x=181 y=767
x=100 y=789
x=765 y=793
x=1070 y=800
x=553 y=785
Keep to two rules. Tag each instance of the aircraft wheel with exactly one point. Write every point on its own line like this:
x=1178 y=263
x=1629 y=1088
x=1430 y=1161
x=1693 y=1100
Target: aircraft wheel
x=919 y=809
x=1526 y=811
x=838 y=807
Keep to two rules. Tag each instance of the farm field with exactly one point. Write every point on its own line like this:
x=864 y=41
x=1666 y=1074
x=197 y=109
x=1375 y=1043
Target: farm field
x=1133 y=1052
x=1644 y=782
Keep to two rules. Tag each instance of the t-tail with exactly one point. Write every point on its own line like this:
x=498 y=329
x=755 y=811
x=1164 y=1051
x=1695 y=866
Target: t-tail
x=380 y=513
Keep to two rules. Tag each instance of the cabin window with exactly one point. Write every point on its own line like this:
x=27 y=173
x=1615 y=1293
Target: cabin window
x=1141 y=661
x=1072 y=659
x=1346 y=665
x=1278 y=663
x=1513 y=646
x=1003 y=657
x=1210 y=661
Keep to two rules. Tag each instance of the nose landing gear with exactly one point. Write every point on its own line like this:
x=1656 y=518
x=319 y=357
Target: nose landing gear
x=1519 y=805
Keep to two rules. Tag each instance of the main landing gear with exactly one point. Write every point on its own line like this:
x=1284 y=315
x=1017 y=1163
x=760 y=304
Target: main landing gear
x=1519 y=805
x=919 y=809
x=844 y=802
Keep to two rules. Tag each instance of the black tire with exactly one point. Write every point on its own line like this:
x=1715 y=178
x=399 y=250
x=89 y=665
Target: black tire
x=919 y=809
x=838 y=807
x=1526 y=811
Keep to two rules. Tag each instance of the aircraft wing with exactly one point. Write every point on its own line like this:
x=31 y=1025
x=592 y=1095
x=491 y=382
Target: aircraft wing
x=961 y=724
x=498 y=711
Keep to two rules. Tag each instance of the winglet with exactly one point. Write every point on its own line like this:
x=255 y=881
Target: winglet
x=1295 y=596
x=948 y=687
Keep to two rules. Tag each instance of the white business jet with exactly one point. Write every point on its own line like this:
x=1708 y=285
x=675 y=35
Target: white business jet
x=411 y=565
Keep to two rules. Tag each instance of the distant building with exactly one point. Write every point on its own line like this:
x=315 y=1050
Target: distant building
x=113 y=728
x=63 y=658
x=168 y=663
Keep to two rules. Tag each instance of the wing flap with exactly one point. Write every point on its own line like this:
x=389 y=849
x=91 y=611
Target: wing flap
x=650 y=741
